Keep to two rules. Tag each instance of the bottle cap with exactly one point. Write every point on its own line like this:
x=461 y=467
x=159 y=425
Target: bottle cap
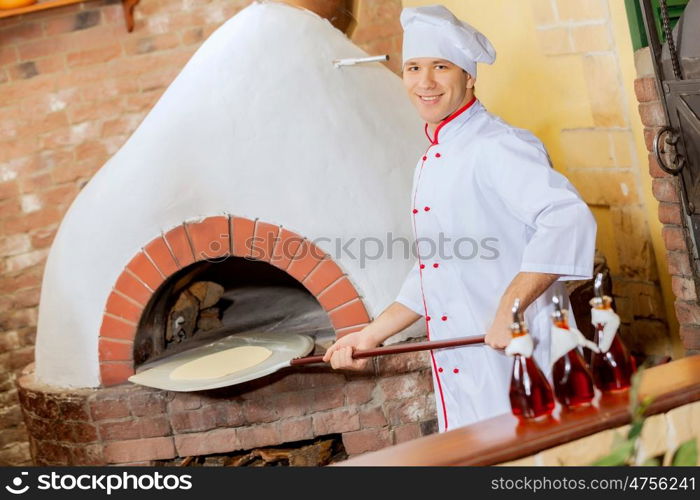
x=517 y=327
x=600 y=301
x=559 y=314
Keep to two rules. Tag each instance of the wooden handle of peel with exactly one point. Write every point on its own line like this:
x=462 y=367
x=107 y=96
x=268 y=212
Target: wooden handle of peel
x=398 y=349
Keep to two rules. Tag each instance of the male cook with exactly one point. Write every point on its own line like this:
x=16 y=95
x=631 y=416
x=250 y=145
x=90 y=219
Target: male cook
x=480 y=180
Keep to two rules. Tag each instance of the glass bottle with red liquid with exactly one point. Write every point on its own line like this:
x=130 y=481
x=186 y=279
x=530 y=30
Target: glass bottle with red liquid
x=612 y=367
x=530 y=393
x=573 y=383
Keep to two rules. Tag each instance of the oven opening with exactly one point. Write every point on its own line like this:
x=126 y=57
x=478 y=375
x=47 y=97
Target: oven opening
x=209 y=300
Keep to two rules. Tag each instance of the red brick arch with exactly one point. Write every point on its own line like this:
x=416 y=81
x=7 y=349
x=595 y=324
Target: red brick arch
x=212 y=238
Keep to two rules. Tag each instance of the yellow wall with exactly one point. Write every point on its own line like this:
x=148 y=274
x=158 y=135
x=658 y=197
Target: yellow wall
x=522 y=85
x=565 y=71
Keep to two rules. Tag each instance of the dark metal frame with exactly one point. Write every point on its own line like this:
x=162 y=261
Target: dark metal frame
x=673 y=143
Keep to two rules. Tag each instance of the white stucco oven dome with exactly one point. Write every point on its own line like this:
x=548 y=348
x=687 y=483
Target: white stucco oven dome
x=258 y=130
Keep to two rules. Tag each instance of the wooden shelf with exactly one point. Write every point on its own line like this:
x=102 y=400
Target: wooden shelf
x=503 y=438
x=52 y=4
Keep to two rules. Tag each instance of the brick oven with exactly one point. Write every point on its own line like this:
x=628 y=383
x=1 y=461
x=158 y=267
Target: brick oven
x=257 y=164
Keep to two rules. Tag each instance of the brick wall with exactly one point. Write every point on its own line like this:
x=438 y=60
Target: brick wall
x=666 y=187
x=74 y=84
x=389 y=403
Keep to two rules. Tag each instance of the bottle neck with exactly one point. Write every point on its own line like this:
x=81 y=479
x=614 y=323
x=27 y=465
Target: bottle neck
x=601 y=303
x=518 y=332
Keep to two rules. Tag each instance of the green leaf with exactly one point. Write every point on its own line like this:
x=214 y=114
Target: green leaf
x=651 y=462
x=619 y=456
x=634 y=403
x=635 y=429
x=686 y=454
x=644 y=405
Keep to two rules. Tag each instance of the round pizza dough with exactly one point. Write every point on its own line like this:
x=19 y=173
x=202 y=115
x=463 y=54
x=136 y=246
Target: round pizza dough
x=221 y=363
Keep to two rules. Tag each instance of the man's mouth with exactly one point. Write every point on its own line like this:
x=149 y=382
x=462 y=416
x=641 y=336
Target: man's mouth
x=429 y=98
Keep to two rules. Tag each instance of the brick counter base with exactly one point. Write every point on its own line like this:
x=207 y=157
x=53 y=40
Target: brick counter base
x=391 y=402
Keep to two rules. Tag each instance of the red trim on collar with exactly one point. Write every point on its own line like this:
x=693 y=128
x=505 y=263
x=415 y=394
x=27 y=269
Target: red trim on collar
x=434 y=140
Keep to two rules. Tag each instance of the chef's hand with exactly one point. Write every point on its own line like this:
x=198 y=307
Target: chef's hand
x=393 y=319
x=340 y=354
x=526 y=286
x=499 y=336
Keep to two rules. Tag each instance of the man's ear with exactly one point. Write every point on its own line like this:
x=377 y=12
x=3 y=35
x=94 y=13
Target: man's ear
x=470 y=81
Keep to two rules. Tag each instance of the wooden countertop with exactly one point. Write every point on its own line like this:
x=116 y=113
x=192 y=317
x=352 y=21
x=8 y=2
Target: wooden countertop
x=502 y=438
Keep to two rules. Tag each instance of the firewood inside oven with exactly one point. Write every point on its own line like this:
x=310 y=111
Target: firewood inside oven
x=194 y=311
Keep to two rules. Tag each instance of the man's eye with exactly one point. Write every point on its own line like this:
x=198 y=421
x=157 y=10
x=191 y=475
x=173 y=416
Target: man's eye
x=440 y=66
x=412 y=68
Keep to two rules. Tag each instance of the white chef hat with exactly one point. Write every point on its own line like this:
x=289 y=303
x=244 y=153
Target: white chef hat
x=434 y=31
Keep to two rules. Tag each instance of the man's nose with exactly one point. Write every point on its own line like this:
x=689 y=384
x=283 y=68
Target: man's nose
x=427 y=80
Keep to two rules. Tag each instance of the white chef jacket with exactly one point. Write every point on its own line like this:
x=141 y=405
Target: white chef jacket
x=488 y=191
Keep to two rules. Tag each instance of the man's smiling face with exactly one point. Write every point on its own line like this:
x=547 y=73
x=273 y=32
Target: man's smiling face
x=436 y=87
